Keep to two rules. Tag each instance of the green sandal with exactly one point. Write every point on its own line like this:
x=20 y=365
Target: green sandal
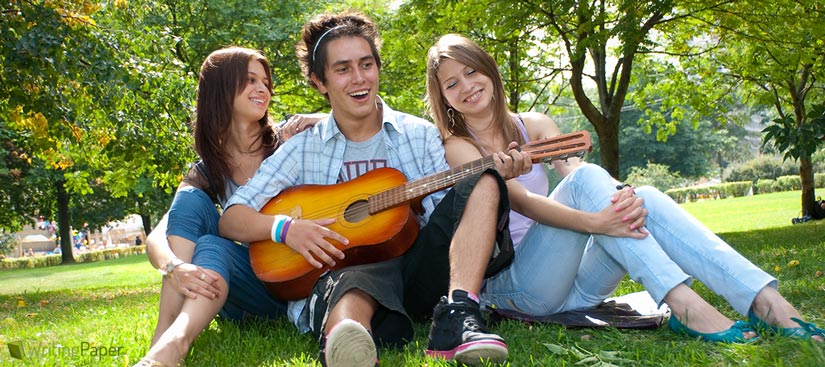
x=736 y=333
x=805 y=331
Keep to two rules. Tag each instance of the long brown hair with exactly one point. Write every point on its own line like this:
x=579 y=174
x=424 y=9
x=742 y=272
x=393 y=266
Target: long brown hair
x=467 y=52
x=223 y=76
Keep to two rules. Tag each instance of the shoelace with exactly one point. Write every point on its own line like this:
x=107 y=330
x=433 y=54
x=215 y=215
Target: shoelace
x=471 y=321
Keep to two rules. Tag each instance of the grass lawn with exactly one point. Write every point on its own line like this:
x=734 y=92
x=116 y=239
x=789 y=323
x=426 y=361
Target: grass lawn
x=103 y=314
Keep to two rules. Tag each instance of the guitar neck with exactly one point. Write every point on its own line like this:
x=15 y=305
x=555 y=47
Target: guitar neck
x=562 y=147
x=427 y=185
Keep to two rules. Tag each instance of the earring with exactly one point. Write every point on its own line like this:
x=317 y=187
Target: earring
x=451 y=116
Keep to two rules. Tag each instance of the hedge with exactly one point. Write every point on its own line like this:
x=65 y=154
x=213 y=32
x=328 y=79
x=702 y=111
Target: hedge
x=719 y=191
x=742 y=188
x=51 y=260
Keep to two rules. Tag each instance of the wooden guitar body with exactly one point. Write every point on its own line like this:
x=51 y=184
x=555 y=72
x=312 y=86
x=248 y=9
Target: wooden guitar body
x=373 y=237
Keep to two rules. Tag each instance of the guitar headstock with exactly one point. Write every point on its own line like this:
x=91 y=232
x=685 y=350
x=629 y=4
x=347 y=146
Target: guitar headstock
x=560 y=147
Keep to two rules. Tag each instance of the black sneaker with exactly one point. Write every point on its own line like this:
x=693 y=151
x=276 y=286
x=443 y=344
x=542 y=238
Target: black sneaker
x=348 y=344
x=459 y=333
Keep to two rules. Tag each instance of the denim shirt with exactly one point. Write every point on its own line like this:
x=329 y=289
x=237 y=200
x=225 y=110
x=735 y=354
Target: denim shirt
x=315 y=156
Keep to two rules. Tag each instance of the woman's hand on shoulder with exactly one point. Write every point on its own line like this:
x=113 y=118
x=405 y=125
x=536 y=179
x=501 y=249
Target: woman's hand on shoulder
x=299 y=122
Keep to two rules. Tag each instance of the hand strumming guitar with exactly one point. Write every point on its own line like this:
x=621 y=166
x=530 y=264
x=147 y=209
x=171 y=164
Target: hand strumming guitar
x=309 y=238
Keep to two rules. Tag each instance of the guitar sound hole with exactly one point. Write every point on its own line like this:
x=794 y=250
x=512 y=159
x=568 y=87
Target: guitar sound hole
x=357 y=212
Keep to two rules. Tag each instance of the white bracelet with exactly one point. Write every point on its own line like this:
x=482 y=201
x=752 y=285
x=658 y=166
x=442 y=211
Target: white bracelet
x=277 y=227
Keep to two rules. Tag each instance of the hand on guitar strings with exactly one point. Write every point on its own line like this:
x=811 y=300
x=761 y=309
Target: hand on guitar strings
x=309 y=238
x=627 y=216
x=191 y=280
x=513 y=163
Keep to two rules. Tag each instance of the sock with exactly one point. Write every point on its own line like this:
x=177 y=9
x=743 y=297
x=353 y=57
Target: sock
x=470 y=295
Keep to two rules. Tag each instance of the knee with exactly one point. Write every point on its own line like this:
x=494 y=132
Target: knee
x=212 y=246
x=192 y=198
x=649 y=193
x=592 y=173
x=488 y=186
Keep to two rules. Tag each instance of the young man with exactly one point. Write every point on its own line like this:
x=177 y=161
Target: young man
x=463 y=235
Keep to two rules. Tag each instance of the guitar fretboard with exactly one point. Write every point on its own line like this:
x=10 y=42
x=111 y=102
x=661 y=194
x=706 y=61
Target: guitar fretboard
x=427 y=185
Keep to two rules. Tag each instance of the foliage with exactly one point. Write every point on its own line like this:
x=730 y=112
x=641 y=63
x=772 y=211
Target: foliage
x=656 y=175
x=8 y=243
x=84 y=82
x=760 y=167
x=718 y=191
x=692 y=152
x=86 y=257
x=765 y=186
x=797 y=141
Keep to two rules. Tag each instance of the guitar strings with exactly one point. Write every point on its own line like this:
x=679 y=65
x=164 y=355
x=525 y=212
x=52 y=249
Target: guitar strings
x=399 y=194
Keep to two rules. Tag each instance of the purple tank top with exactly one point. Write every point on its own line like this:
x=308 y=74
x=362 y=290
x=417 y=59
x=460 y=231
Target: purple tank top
x=535 y=182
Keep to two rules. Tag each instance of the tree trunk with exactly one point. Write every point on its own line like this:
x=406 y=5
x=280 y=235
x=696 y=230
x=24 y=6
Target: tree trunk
x=608 y=132
x=66 y=254
x=147 y=223
x=145 y=218
x=806 y=175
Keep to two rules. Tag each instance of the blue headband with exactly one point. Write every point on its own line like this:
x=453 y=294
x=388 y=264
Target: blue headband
x=322 y=38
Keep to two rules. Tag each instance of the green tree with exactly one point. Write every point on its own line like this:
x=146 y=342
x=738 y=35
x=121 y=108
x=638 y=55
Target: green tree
x=595 y=35
x=56 y=75
x=773 y=54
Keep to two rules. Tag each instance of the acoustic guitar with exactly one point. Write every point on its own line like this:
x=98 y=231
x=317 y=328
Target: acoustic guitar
x=374 y=212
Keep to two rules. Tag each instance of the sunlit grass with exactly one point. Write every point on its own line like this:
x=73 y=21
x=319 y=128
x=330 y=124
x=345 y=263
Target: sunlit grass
x=747 y=213
x=66 y=315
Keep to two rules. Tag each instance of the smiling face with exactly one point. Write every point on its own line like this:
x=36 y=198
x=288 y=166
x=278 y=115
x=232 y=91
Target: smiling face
x=252 y=102
x=351 y=80
x=467 y=90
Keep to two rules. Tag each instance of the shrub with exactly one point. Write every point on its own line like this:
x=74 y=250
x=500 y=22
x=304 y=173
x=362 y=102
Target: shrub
x=8 y=242
x=52 y=260
x=789 y=183
x=762 y=167
x=766 y=186
x=720 y=191
x=656 y=175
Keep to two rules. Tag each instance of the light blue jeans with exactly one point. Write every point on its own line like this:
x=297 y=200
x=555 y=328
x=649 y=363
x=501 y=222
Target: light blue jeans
x=557 y=270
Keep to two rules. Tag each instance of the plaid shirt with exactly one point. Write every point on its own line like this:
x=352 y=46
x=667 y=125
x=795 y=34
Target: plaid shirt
x=315 y=156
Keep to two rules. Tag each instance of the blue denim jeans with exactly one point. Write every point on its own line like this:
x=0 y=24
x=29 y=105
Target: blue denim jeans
x=557 y=270
x=193 y=216
x=248 y=297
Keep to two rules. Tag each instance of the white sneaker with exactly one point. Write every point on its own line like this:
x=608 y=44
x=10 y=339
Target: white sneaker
x=349 y=344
